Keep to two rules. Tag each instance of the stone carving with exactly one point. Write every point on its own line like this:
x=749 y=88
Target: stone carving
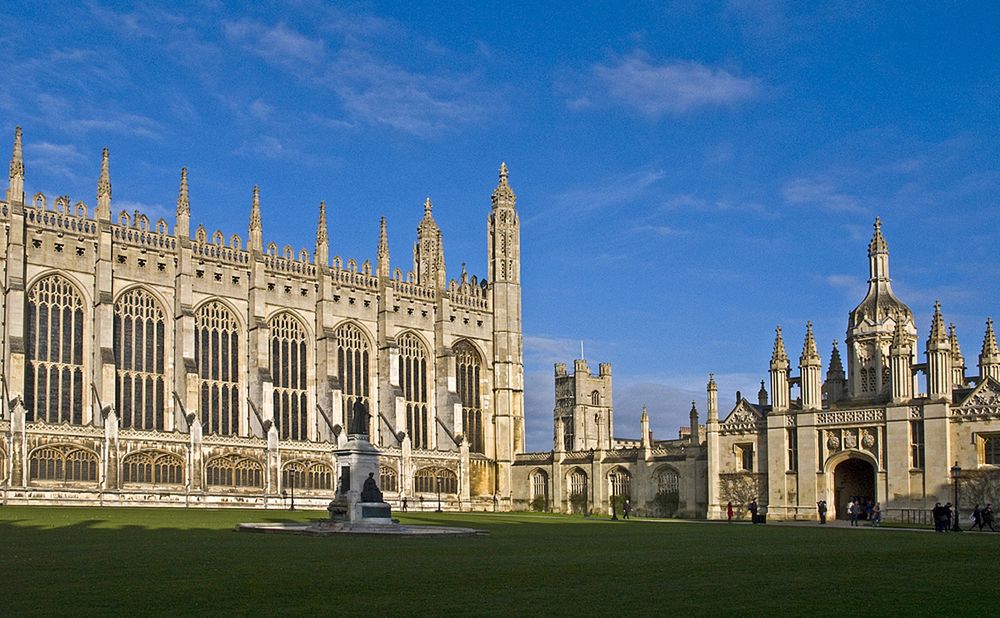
x=833 y=442
x=847 y=417
x=359 y=424
x=850 y=440
x=867 y=439
x=370 y=492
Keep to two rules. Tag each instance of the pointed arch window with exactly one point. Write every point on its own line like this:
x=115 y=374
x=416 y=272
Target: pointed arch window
x=139 y=352
x=434 y=480
x=153 y=467
x=216 y=347
x=388 y=479
x=468 y=369
x=595 y=398
x=621 y=483
x=353 y=370
x=577 y=483
x=54 y=385
x=307 y=476
x=288 y=371
x=413 y=381
x=667 y=481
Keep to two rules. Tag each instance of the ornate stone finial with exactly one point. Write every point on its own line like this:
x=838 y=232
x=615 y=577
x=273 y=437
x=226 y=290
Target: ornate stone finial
x=183 y=201
x=428 y=207
x=956 y=350
x=779 y=353
x=382 y=265
x=711 y=382
x=938 y=332
x=990 y=347
x=762 y=394
x=104 y=182
x=17 y=157
x=899 y=333
x=809 y=347
x=503 y=195
x=694 y=409
x=645 y=415
x=321 y=235
x=256 y=240
x=878 y=243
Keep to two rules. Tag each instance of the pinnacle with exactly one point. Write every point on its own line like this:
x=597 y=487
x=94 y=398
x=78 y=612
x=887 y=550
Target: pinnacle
x=104 y=181
x=503 y=195
x=16 y=157
x=990 y=347
x=878 y=243
x=427 y=207
x=711 y=381
x=809 y=347
x=183 y=201
x=938 y=332
x=779 y=347
x=956 y=351
x=321 y=235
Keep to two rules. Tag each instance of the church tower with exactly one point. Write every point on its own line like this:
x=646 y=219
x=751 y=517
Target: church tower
x=872 y=325
x=504 y=273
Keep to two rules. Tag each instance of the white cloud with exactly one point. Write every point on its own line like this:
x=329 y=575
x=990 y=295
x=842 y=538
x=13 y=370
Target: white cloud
x=278 y=44
x=674 y=87
x=821 y=192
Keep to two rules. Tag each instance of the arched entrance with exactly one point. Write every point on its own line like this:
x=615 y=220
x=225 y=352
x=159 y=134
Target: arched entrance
x=852 y=479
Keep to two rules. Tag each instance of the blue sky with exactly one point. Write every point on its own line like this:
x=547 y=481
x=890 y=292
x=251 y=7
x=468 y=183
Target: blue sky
x=688 y=174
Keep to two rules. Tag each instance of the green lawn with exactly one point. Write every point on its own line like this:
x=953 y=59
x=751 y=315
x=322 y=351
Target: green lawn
x=175 y=561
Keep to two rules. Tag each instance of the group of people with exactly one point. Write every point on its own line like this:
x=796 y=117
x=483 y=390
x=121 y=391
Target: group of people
x=980 y=517
x=858 y=508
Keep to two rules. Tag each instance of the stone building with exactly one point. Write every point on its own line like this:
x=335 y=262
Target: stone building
x=589 y=469
x=147 y=364
x=887 y=429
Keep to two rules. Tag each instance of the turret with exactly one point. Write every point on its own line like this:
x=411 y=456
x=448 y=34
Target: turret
x=646 y=438
x=255 y=241
x=957 y=360
x=939 y=372
x=762 y=395
x=835 y=378
x=713 y=399
x=182 y=226
x=322 y=256
x=989 y=358
x=428 y=253
x=104 y=190
x=15 y=188
x=382 y=266
x=900 y=355
x=695 y=437
x=779 y=374
x=811 y=371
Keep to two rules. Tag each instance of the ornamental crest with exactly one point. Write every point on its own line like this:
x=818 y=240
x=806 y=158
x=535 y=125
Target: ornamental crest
x=744 y=417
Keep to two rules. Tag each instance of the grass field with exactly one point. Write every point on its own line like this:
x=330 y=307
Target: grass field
x=173 y=561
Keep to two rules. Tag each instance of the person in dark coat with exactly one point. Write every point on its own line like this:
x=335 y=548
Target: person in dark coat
x=987 y=515
x=938 y=515
x=977 y=519
x=752 y=507
x=821 y=507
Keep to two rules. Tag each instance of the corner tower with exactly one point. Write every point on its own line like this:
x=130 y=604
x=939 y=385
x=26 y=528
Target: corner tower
x=504 y=272
x=872 y=325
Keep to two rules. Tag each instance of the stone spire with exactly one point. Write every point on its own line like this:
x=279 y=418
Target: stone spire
x=780 y=394
x=900 y=363
x=939 y=370
x=255 y=241
x=503 y=195
x=382 y=267
x=811 y=373
x=15 y=188
x=428 y=253
x=695 y=437
x=104 y=189
x=322 y=256
x=713 y=399
x=835 y=377
x=957 y=360
x=645 y=438
x=182 y=226
x=762 y=395
x=989 y=358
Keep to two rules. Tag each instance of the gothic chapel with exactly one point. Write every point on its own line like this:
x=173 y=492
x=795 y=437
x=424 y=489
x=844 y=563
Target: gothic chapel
x=143 y=364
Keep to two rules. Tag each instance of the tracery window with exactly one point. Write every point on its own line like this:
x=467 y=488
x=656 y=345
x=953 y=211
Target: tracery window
x=745 y=452
x=621 y=482
x=307 y=475
x=792 y=454
x=413 y=381
x=577 y=483
x=216 y=348
x=139 y=352
x=991 y=450
x=916 y=444
x=153 y=467
x=54 y=386
x=595 y=398
x=353 y=362
x=468 y=365
x=388 y=479
x=62 y=463
x=234 y=471
x=540 y=485
x=668 y=481
x=288 y=372
x=434 y=480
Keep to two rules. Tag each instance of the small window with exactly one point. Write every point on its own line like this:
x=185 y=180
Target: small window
x=917 y=444
x=991 y=451
x=793 y=449
x=745 y=452
x=595 y=399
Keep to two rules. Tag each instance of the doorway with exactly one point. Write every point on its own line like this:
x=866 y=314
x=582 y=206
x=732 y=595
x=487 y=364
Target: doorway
x=853 y=479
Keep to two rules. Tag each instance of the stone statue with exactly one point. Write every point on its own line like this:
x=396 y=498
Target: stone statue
x=370 y=492
x=359 y=425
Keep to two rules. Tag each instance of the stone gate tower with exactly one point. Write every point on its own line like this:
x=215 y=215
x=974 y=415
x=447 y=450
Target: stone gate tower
x=583 y=412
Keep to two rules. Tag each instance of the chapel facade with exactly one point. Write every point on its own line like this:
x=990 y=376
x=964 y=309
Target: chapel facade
x=887 y=428
x=144 y=364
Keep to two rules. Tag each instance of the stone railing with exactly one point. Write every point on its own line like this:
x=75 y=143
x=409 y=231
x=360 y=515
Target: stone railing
x=278 y=263
x=851 y=417
x=64 y=217
x=143 y=238
x=533 y=457
x=412 y=290
x=468 y=301
x=353 y=279
x=221 y=253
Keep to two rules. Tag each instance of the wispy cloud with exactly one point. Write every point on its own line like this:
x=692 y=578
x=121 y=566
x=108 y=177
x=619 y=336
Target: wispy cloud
x=278 y=44
x=613 y=190
x=819 y=192
x=58 y=160
x=674 y=87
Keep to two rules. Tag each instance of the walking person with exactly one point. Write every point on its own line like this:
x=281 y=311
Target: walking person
x=946 y=510
x=854 y=508
x=876 y=517
x=938 y=516
x=729 y=512
x=821 y=507
x=987 y=516
x=626 y=509
x=977 y=519
x=752 y=507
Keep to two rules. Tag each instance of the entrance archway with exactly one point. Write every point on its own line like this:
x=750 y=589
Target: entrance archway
x=852 y=479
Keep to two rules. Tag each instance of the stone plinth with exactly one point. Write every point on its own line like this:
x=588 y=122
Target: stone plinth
x=355 y=462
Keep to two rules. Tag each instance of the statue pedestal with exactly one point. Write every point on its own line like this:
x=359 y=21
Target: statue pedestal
x=355 y=462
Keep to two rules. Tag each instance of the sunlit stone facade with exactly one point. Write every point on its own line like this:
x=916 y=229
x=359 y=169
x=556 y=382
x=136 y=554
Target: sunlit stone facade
x=157 y=364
